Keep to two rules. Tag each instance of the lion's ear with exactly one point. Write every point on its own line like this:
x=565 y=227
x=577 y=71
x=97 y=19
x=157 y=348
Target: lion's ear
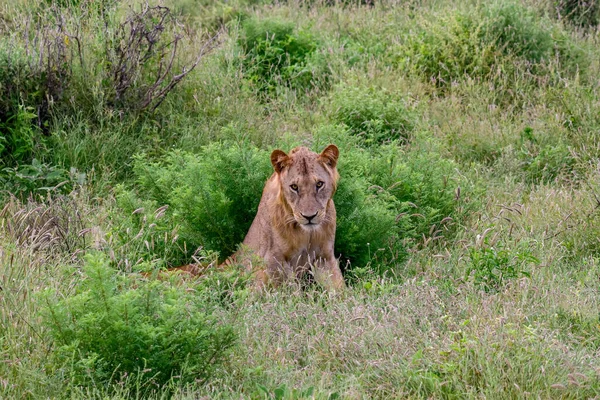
x=330 y=155
x=279 y=160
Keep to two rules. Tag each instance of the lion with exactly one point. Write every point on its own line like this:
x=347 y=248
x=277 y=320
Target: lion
x=294 y=227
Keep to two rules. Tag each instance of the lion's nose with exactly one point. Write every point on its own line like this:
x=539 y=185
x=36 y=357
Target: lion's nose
x=309 y=217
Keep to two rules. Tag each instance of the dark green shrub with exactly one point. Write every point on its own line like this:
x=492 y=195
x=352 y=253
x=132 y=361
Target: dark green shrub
x=24 y=94
x=114 y=326
x=580 y=13
x=213 y=196
x=447 y=50
x=276 y=54
x=515 y=30
x=373 y=114
x=17 y=137
x=392 y=198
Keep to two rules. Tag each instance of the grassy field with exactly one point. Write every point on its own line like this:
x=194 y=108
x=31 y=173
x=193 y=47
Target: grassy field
x=136 y=137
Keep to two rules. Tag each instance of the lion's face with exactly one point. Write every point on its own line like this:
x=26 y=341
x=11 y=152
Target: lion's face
x=307 y=182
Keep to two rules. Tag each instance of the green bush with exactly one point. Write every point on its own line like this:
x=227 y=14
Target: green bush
x=17 y=137
x=498 y=37
x=113 y=327
x=276 y=54
x=373 y=114
x=392 y=198
x=38 y=178
x=23 y=91
x=213 y=196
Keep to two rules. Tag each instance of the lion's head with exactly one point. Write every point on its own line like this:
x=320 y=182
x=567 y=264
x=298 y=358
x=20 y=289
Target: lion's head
x=307 y=182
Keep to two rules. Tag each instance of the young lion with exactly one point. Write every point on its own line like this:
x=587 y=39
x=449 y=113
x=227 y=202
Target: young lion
x=294 y=227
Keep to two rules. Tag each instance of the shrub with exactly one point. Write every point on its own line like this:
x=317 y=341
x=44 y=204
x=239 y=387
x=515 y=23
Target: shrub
x=24 y=96
x=17 y=137
x=276 y=54
x=373 y=114
x=213 y=196
x=496 y=37
x=114 y=326
x=37 y=179
x=392 y=198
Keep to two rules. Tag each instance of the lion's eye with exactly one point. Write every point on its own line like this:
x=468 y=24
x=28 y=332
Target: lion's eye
x=320 y=184
x=294 y=187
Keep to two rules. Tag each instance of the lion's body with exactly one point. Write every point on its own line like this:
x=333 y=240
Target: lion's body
x=294 y=228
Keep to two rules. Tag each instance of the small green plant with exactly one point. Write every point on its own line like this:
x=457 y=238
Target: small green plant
x=38 y=178
x=545 y=161
x=276 y=54
x=17 y=137
x=492 y=267
x=114 y=326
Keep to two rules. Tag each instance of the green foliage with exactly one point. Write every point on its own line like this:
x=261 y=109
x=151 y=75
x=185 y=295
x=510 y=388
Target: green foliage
x=38 y=178
x=480 y=43
x=373 y=114
x=23 y=91
x=113 y=326
x=544 y=162
x=17 y=137
x=276 y=54
x=391 y=198
x=492 y=267
x=213 y=196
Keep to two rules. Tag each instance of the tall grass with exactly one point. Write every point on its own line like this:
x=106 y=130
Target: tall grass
x=468 y=202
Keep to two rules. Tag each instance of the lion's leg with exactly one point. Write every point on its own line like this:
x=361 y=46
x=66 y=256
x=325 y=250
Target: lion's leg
x=279 y=272
x=328 y=273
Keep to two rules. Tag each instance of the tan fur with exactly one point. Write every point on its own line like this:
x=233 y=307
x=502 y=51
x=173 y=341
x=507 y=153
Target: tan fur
x=294 y=228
